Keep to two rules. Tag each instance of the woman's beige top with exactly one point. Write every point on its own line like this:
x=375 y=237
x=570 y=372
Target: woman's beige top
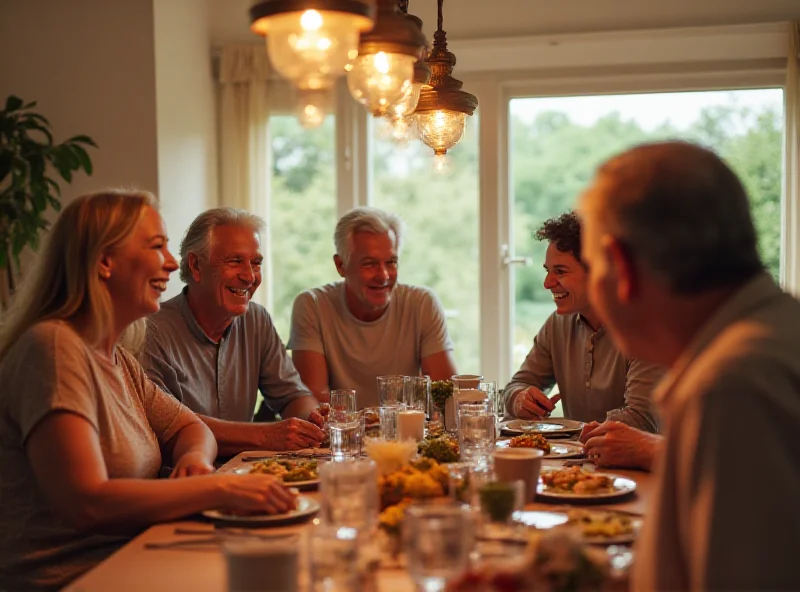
x=50 y=368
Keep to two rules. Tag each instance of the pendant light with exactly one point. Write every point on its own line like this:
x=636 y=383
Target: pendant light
x=400 y=114
x=383 y=72
x=312 y=106
x=311 y=41
x=443 y=107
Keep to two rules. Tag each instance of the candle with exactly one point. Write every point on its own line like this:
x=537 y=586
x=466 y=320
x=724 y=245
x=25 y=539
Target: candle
x=410 y=425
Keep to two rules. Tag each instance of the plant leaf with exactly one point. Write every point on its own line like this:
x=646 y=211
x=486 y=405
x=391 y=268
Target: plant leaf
x=83 y=156
x=81 y=140
x=13 y=103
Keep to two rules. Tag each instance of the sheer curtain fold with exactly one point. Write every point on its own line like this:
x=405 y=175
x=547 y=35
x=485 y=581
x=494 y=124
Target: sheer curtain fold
x=790 y=274
x=243 y=73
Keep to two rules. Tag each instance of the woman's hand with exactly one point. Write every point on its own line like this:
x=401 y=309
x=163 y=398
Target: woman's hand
x=255 y=494
x=190 y=464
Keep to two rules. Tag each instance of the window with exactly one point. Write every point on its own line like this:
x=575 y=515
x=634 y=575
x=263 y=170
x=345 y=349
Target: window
x=440 y=209
x=557 y=142
x=302 y=213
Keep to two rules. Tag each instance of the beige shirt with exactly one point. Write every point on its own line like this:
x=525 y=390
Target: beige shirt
x=50 y=368
x=596 y=381
x=725 y=514
x=357 y=352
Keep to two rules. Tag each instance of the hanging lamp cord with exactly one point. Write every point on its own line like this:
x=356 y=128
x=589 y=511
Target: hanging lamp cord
x=439 y=17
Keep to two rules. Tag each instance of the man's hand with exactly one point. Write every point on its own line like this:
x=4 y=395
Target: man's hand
x=534 y=404
x=615 y=444
x=291 y=434
x=191 y=464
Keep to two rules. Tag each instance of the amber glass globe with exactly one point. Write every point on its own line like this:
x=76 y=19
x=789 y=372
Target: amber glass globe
x=379 y=80
x=441 y=129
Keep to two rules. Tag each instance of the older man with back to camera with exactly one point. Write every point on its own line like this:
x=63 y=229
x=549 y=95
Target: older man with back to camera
x=213 y=349
x=347 y=333
x=675 y=274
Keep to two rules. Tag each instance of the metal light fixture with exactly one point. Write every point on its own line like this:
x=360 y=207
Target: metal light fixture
x=383 y=72
x=311 y=41
x=400 y=114
x=443 y=107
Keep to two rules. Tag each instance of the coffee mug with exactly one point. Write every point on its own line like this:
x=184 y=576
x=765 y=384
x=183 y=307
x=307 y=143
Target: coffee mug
x=519 y=464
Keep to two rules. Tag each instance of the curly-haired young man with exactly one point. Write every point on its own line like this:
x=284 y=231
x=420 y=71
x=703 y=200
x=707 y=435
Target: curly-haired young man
x=596 y=381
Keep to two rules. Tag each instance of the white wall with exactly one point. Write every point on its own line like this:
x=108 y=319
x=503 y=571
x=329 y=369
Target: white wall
x=187 y=154
x=90 y=66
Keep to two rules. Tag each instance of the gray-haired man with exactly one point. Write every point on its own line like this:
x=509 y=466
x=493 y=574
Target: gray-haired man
x=347 y=333
x=213 y=349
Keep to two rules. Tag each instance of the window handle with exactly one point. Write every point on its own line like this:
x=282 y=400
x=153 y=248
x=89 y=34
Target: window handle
x=509 y=259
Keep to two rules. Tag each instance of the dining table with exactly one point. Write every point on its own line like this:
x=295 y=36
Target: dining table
x=149 y=562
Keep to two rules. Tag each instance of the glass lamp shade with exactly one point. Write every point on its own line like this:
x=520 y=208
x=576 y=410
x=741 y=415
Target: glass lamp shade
x=311 y=48
x=441 y=129
x=312 y=107
x=379 y=80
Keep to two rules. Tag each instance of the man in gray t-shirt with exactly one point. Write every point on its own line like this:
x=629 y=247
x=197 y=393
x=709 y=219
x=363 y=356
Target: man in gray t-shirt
x=346 y=334
x=213 y=349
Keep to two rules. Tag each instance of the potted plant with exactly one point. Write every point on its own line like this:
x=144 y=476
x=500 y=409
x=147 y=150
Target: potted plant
x=29 y=159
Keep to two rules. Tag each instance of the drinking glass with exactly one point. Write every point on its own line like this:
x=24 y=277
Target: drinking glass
x=261 y=564
x=438 y=541
x=458 y=481
x=466 y=392
x=417 y=393
x=476 y=432
x=388 y=417
x=346 y=434
x=349 y=494
x=391 y=390
x=343 y=400
x=333 y=558
x=495 y=400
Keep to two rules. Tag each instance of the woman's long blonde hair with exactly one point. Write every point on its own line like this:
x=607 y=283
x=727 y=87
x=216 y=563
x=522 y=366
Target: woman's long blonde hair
x=65 y=281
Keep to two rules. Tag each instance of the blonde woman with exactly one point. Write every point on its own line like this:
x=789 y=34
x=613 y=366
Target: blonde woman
x=82 y=429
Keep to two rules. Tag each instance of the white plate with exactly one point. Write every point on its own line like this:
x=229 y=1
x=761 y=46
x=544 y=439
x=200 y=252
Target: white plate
x=546 y=427
x=544 y=520
x=310 y=484
x=305 y=507
x=622 y=487
x=558 y=449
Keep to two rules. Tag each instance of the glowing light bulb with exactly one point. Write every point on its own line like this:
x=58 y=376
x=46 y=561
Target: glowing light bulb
x=311 y=20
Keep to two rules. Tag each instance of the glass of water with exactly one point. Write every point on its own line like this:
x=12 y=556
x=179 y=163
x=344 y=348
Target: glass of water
x=476 y=432
x=343 y=400
x=333 y=558
x=388 y=418
x=391 y=390
x=346 y=434
x=349 y=494
x=417 y=393
x=438 y=541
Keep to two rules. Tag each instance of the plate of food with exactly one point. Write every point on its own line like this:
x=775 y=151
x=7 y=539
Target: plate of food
x=605 y=527
x=551 y=448
x=551 y=427
x=305 y=507
x=299 y=473
x=574 y=484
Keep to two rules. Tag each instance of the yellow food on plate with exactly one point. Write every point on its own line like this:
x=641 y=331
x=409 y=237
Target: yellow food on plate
x=530 y=441
x=422 y=479
x=575 y=480
x=597 y=523
x=291 y=471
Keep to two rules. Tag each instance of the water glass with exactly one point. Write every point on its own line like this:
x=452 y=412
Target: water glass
x=255 y=564
x=438 y=541
x=388 y=418
x=343 y=400
x=349 y=494
x=346 y=430
x=476 y=432
x=391 y=390
x=494 y=398
x=466 y=392
x=417 y=393
x=333 y=558
x=458 y=481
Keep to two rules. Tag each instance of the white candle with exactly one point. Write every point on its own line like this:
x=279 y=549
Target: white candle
x=410 y=425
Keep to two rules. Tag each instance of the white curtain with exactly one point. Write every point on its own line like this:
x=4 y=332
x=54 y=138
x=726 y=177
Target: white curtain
x=791 y=194
x=243 y=72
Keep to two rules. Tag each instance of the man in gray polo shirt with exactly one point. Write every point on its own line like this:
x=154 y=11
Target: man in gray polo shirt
x=347 y=333
x=596 y=381
x=213 y=349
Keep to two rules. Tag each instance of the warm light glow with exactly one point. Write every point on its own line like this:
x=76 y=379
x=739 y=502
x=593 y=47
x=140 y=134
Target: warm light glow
x=311 y=48
x=380 y=80
x=441 y=129
x=312 y=106
x=400 y=115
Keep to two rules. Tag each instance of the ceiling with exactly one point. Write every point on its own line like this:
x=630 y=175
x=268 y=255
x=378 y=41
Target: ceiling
x=475 y=19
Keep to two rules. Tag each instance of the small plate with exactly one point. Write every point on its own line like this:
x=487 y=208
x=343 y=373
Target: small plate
x=622 y=486
x=305 y=507
x=544 y=520
x=304 y=485
x=546 y=427
x=558 y=449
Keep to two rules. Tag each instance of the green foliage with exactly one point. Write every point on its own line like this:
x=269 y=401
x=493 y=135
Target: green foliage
x=28 y=157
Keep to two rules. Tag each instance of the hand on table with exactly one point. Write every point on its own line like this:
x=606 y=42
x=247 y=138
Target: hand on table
x=255 y=493
x=191 y=464
x=615 y=444
x=291 y=434
x=534 y=404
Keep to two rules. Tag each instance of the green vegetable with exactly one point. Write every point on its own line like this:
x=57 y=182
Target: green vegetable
x=443 y=449
x=441 y=390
